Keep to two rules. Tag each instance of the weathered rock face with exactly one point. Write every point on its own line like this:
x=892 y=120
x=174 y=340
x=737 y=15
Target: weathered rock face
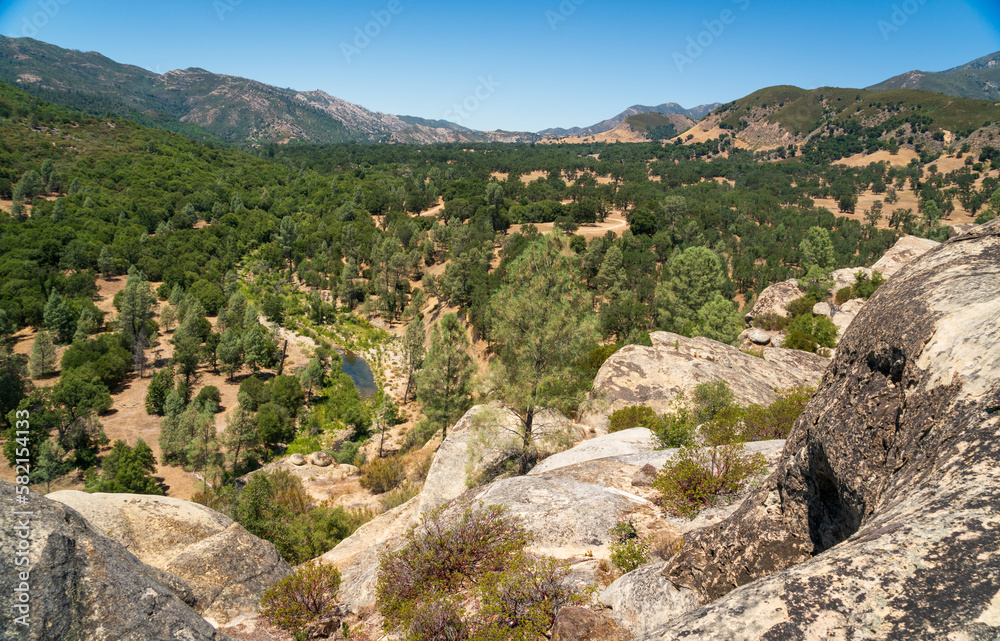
x=580 y=624
x=774 y=299
x=452 y=470
x=357 y=556
x=654 y=376
x=645 y=599
x=882 y=520
x=85 y=585
x=906 y=250
x=225 y=567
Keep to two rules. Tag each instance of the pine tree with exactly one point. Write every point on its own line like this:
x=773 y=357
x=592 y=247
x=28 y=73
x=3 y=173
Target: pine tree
x=543 y=321
x=173 y=437
x=413 y=352
x=160 y=387
x=42 y=361
x=444 y=383
x=230 y=353
x=693 y=277
x=240 y=438
x=85 y=325
x=58 y=318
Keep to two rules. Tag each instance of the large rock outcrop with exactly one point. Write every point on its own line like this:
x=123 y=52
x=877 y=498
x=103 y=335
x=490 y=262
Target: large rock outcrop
x=655 y=376
x=883 y=520
x=225 y=568
x=84 y=585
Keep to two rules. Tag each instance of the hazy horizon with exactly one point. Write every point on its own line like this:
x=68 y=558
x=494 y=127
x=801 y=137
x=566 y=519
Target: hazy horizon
x=526 y=66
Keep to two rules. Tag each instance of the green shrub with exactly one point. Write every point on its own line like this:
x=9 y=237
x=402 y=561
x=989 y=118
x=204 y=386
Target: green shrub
x=725 y=428
x=800 y=306
x=398 y=496
x=808 y=333
x=304 y=445
x=698 y=476
x=710 y=398
x=844 y=294
x=776 y=420
x=421 y=433
x=383 y=475
x=347 y=452
x=628 y=549
x=208 y=397
x=771 y=321
x=634 y=416
x=303 y=596
x=864 y=286
x=676 y=429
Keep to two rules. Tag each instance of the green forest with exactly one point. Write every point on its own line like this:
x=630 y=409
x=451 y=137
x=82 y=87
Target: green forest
x=322 y=239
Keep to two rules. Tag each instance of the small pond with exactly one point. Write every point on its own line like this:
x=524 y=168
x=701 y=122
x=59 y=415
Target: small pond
x=359 y=371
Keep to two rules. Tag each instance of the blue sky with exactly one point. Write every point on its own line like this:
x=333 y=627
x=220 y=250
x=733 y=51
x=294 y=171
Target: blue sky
x=524 y=65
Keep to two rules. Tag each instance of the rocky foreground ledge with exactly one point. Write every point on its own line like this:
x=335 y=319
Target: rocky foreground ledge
x=883 y=520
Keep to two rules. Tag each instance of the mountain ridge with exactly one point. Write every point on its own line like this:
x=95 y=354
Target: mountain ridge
x=667 y=108
x=979 y=79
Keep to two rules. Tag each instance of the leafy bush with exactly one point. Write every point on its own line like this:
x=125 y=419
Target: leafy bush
x=347 y=452
x=771 y=321
x=634 y=416
x=776 y=420
x=467 y=576
x=304 y=445
x=275 y=507
x=710 y=398
x=800 y=306
x=208 y=397
x=676 y=429
x=844 y=294
x=383 y=475
x=628 y=550
x=303 y=596
x=864 y=286
x=698 y=476
x=757 y=422
x=398 y=496
x=808 y=333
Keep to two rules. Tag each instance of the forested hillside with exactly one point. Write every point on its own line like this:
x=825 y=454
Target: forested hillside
x=215 y=258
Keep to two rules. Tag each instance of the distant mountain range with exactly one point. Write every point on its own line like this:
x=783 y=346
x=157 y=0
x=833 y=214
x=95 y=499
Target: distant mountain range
x=234 y=110
x=695 y=114
x=977 y=79
x=213 y=106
